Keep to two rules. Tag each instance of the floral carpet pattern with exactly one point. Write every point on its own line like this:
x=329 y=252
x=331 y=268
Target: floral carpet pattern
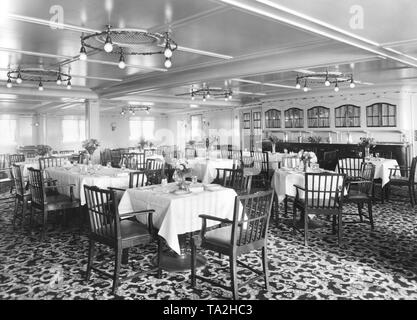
x=379 y=264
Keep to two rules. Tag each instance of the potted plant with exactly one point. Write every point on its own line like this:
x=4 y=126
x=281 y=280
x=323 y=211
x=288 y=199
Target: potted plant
x=43 y=150
x=274 y=140
x=90 y=145
x=367 y=144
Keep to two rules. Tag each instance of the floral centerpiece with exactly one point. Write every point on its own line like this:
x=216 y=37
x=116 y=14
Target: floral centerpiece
x=182 y=168
x=90 y=145
x=43 y=150
x=191 y=143
x=367 y=143
x=314 y=139
x=307 y=158
x=274 y=140
x=142 y=143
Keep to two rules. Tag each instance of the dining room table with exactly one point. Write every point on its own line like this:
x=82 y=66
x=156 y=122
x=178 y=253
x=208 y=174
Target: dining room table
x=205 y=168
x=382 y=167
x=80 y=175
x=177 y=213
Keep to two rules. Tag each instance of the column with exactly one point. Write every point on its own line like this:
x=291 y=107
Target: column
x=92 y=124
x=39 y=129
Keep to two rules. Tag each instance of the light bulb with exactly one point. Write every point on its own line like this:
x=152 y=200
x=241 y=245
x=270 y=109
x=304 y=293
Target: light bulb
x=204 y=98
x=168 y=51
x=9 y=83
x=83 y=54
x=225 y=97
x=40 y=88
x=108 y=46
x=59 y=80
x=352 y=83
x=192 y=97
x=133 y=113
x=122 y=63
x=122 y=113
x=298 y=86
x=208 y=95
x=327 y=83
x=168 y=63
x=19 y=79
x=305 y=89
x=230 y=96
x=336 y=88
x=69 y=86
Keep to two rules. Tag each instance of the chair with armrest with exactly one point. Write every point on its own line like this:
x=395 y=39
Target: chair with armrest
x=44 y=203
x=49 y=162
x=351 y=167
x=361 y=192
x=22 y=196
x=245 y=233
x=234 y=179
x=402 y=176
x=322 y=195
x=109 y=228
x=6 y=177
x=14 y=158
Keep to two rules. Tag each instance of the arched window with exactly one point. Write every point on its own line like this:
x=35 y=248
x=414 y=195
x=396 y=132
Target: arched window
x=347 y=116
x=294 y=118
x=272 y=119
x=318 y=117
x=381 y=115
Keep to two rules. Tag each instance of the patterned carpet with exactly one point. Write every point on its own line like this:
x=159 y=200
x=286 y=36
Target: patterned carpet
x=370 y=265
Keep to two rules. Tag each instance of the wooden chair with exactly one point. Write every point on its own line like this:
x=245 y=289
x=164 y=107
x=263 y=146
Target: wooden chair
x=351 y=167
x=149 y=153
x=6 y=177
x=49 y=203
x=154 y=164
x=361 y=192
x=245 y=233
x=234 y=179
x=224 y=151
x=323 y=195
x=133 y=161
x=261 y=163
x=407 y=179
x=49 y=162
x=31 y=155
x=22 y=196
x=115 y=156
x=109 y=228
x=14 y=158
x=329 y=161
x=137 y=179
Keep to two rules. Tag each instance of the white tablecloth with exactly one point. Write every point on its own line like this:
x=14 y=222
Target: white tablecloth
x=283 y=182
x=104 y=178
x=178 y=214
x=29 y=163
x=205 y=170
x=382 y=167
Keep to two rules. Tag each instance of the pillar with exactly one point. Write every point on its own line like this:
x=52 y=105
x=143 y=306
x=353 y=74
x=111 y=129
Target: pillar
x=92 y=124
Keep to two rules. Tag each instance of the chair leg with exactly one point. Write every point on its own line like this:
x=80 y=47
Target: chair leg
x=117 y=263
x=44 y=225
x=193 y=262
x=360 y=211
x=371 y=218
x=91 y=254
x=285 y=205
x=305 y=229
x=265 y=267
x=159 y=243
x=410 y=194
x=233 y=276
x=340 y=229
x=16 y=207
x=294 y=218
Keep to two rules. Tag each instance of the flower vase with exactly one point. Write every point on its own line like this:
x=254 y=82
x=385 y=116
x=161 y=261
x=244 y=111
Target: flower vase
x=367 y=152
x=306 y=165
x=273 y=147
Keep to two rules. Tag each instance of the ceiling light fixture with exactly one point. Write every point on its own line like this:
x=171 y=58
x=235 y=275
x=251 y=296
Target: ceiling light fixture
x=129 y=42
x=305 y=89
x=9 y=83
x=38 y=75
x=206 y=93
x=132 y=109
x=326 y=79
x=297 y=84
x=122 y=62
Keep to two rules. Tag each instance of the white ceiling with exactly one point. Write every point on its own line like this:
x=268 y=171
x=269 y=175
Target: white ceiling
x=223 y=43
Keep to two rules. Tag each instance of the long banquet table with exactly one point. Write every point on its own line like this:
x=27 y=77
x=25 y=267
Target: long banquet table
x=178 y=214
x=102 y=178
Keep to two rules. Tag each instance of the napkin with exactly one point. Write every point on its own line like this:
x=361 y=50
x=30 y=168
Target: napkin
x=122 y=174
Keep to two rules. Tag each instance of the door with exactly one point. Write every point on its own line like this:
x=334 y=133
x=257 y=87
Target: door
x=252 y=130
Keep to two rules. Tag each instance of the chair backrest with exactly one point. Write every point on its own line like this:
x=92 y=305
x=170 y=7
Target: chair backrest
x=137 y=179
x=115 y=156
x=260 y=160
x=67 y=152
x=351 y=167
x=251 y=219
x=102 y=212
x=329 y=160
x=154 y=176
x=324 y=190
x=36 y=186
x=411 y=177
x=224 y=151
x=235 y=179
x=154 y=164
x=149 y=153
x=18 y=180
x=4 y=161
x=48 y=162
x=31 y=155
x=367 y=175
x=133 y=161
x=14 y=158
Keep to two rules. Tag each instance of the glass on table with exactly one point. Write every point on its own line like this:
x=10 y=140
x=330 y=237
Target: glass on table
x=108 y=164
x=194 y=179
x=377 y=155
x=360 y=154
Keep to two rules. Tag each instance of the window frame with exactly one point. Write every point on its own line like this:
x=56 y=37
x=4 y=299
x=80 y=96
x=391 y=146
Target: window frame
x=291 y=123
x=270 y=122
x=318 y=118
x=377 y=108
x=345 y=116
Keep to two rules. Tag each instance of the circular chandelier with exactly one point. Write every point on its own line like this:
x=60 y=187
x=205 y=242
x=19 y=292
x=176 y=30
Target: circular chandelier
x=39 y=75
x=326 y=78
x=133 y=109
x=207 y=92
x=124 y=42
